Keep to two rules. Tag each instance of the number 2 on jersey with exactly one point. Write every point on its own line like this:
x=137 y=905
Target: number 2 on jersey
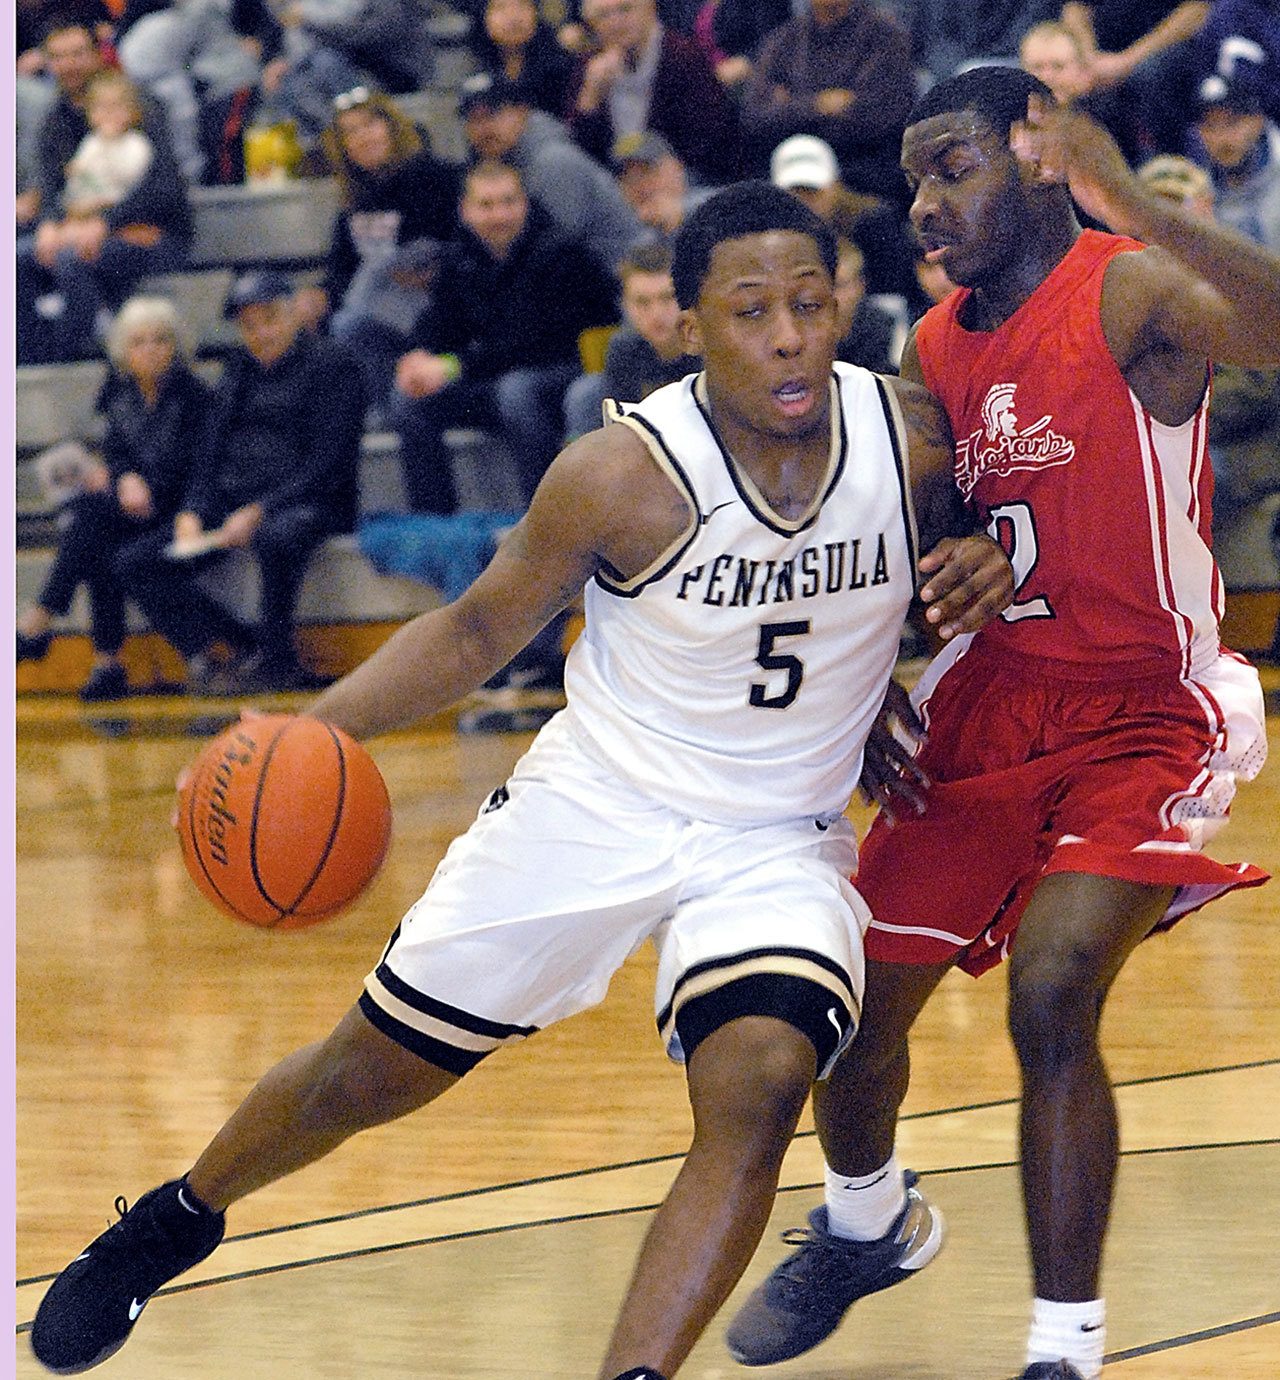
x=1023 y=550
x=778 y=661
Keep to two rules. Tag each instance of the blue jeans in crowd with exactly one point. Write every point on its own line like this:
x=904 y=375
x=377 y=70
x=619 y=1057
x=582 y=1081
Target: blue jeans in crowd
x=180 y=610
x=73 y=292
x=525 y=406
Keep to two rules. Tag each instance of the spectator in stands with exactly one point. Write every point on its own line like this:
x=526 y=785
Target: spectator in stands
x=513 y=41
x=67 y=275
x=807 y=166
x=738 y=28
x=1051 y=51
x=112 y=158
x=644 y=353
x=948 y=37
x=275 y=472
x=1054 y=53
x=332 y=46
x=867 y=331
x=202 y=60
x=399 y=203
x=1240 y=148
x=1244 y=32
x=499 y=344
x=643 y=75
x=841 y=72
x=154 y=408
x=1144 y=52
x=580 y=196
x=654 y=183
x=1181 y=181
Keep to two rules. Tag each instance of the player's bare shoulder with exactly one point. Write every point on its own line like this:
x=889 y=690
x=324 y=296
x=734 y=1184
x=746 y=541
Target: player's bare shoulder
x=607 y=484
x=928 y=429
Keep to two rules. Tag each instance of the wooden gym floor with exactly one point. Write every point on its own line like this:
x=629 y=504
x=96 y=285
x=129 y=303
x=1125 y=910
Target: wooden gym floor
x=492 y=1235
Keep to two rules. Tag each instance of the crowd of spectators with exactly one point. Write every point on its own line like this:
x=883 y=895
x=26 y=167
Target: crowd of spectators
x=457 y=295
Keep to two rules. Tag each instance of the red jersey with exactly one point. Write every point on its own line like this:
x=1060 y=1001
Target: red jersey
x=1104 y=510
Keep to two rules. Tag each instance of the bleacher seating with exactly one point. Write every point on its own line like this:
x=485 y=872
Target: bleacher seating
x=288 y=226
x=282 y=224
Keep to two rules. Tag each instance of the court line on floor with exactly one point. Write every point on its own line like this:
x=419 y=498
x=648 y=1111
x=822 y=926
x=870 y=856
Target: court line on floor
x=565 y=1219
x=1191 y=1338
x=569 y=1175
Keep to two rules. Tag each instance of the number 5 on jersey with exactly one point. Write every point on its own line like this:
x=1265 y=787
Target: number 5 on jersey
x=771 y=660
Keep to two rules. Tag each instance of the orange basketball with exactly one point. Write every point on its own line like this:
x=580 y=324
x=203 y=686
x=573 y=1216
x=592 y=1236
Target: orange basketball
x=284 y=821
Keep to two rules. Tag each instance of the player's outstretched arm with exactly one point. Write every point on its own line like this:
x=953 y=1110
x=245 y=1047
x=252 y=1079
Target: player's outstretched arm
x=577 y=521
x=1203 y=290
x=968 y=578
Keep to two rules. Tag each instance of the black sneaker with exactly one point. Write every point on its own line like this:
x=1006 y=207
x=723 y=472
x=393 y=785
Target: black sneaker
x=802 y=1301
x=1051 y=1370
x=90 y=1309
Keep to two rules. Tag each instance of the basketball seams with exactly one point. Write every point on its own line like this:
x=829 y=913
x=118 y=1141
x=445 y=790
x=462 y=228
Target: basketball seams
x=338 y=808
x=314 y=822
x=259 y=787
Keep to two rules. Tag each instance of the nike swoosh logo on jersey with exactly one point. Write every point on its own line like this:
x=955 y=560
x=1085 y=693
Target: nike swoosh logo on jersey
x=704 y=518
x=84 y=1255
x=135 y=1308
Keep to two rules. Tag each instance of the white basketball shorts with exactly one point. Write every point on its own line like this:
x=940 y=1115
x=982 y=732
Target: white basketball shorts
x=565 y=873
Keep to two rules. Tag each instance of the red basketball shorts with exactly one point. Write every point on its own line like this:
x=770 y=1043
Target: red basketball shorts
x=1037 y=772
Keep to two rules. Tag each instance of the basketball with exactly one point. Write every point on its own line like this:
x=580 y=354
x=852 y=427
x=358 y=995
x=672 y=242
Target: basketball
x=284 y=821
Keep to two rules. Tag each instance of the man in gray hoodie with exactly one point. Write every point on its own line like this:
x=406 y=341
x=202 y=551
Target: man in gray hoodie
x=580 y=195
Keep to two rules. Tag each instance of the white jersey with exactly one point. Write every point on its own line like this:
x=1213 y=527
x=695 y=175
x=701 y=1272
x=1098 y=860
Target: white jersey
x=736 y=679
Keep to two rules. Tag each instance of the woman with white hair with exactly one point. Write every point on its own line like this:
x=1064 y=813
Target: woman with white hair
x=154 y=407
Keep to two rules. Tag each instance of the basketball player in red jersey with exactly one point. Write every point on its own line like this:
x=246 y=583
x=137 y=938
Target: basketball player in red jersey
x=1083 y=746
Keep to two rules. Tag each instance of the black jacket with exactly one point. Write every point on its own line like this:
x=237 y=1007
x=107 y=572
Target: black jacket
x=545 y=73
x=525 y=312
x=283 y=436
x=422 y=191
x=159 y=444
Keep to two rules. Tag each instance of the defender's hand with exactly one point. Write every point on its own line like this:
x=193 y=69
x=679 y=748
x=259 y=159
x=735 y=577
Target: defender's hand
x=969 y=581
x=890 y=776
x=1057 y=144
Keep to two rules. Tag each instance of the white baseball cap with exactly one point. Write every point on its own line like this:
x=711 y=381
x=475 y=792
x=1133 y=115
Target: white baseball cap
x=804 y=161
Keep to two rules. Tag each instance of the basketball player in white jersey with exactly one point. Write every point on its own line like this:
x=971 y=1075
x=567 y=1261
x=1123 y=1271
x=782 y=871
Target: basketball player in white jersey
x=748 y=542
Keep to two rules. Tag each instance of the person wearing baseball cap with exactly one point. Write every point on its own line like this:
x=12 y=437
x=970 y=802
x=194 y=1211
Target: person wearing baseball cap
x=804 y=161
x=489 y=91
x=807 y=167
x=275 y=473
x=579 y=195
x=253 y=289
x=1240 y=147
x=654 y=181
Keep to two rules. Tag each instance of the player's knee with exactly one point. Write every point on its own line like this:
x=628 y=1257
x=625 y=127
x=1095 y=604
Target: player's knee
x=1054 y=1006
x=749 y=1081
x=362 y=1079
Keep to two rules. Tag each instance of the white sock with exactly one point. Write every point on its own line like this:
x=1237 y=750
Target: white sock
x=1074 y=1332
x=862 y=1208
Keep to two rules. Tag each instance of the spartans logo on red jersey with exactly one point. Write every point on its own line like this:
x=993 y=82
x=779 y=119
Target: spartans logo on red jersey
x=1001 y=446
